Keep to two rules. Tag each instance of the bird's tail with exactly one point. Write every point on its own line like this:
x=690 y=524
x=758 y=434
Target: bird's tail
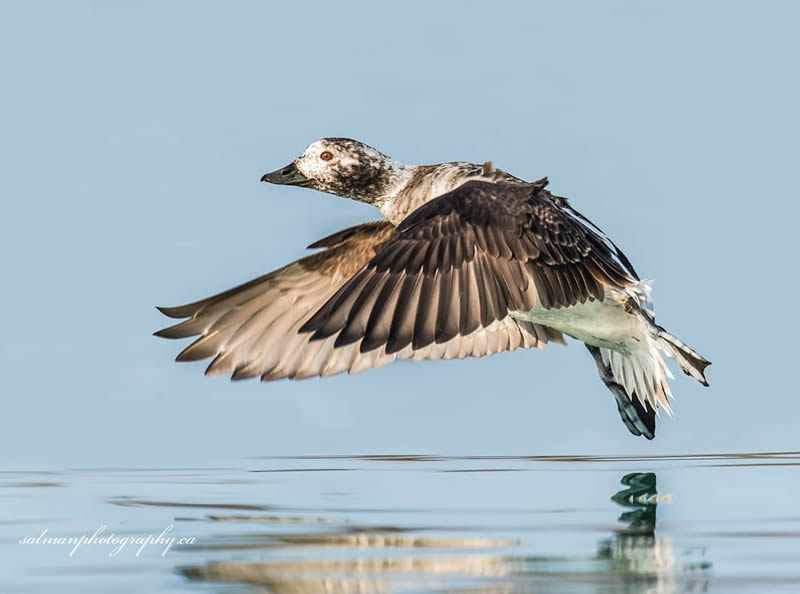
x=690 y=361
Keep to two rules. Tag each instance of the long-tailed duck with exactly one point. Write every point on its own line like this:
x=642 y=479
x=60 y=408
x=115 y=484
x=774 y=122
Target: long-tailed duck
x=471 y=261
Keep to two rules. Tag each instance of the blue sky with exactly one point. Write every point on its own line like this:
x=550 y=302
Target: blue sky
x=134 y=136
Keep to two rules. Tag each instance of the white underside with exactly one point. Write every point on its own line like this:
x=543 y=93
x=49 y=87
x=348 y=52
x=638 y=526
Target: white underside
x=603 y=324
x=627 y=340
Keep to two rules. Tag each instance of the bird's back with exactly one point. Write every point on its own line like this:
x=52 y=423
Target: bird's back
x=431 y=181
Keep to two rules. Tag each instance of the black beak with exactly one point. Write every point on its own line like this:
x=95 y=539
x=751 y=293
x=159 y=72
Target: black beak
x=288 y=176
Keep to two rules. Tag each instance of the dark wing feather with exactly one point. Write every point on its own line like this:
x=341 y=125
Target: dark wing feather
x=252 y=330
x=466 y=259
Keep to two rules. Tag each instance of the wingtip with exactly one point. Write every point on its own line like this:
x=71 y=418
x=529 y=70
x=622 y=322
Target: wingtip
x=171 y=312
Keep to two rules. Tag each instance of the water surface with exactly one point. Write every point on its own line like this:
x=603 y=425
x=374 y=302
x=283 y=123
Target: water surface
x=412 y=523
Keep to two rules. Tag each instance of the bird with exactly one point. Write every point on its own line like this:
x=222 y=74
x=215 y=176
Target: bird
x=251 y=330
x=469 y=261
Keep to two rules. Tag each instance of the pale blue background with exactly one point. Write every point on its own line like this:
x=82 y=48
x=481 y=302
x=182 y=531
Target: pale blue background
x=133 y=135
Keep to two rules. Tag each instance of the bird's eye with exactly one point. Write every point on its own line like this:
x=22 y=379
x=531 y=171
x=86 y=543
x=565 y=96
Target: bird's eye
x=326 y=156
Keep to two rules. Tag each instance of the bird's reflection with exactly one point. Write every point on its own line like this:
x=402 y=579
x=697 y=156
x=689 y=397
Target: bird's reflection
x=636 y=550
x=632 y=559
x=641 y=496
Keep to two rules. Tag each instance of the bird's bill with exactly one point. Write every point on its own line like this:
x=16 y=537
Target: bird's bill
x=287 y=176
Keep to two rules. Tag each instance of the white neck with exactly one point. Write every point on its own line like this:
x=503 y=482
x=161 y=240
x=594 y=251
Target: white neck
x=400 y=175
x=417 y=184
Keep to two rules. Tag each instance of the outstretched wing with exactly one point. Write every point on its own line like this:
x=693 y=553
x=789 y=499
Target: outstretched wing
x=252 y=330
x=465 y=260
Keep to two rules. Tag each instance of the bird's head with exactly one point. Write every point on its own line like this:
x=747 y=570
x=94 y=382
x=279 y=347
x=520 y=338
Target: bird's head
x=343 y=167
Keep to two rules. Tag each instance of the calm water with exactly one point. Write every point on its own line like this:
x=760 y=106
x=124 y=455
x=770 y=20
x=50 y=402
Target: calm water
x=372 y=523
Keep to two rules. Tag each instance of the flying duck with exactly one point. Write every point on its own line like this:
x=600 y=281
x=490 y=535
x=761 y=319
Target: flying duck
x=470 y=261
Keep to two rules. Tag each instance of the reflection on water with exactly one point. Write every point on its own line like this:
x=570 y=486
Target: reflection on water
x=636 y=550
x=633 y=556
x=789 y=458
x=375 y=523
